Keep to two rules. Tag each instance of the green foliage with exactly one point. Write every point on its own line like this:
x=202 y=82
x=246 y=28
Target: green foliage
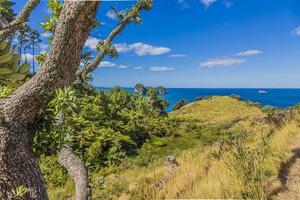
x=6 y=12
x=247 y=163
x=21 y=191
x=108 y=189
x=133 y=15
x=5 y=91
x=161 y=90
x=268 y=109
x=180 y=104
x=140 y=89
x=50 y=25
x=234 y=96
x=149 y=91
x=10 y=71
x=198 y=99
x=54 y=174
x=255 y=104
x=102 y=127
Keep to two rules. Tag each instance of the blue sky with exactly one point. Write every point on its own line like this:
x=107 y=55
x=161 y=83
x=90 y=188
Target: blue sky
x=200 y=43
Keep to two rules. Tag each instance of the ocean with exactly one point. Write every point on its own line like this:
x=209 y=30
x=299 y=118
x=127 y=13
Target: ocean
x=282 y=98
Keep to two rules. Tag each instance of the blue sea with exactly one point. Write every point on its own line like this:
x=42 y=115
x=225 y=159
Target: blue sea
x=282 y=98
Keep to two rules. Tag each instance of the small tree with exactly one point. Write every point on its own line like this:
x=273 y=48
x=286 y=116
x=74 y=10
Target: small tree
x=180 y=104
x=140 y=89
x=161 y=90
x=198 y=98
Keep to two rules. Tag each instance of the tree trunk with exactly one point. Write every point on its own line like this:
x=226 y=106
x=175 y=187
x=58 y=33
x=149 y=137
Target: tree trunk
x=20 y=19
x=33 y=57
x=18 y=166
x=76 y=169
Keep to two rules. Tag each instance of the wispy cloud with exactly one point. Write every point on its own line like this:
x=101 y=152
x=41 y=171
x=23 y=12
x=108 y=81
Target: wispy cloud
x=207 y=3
x=122 y=66
x=222 y=62
x=44 y=46
x=142 y=49
x=27 y=57
x=161 y=69
x=91 y=42
x=296 y=31
x=107 y=64
x=46 y=34
x=104 y=64
x=249 y=52
x=228 y=4
x=138 y=67
x=111 y=15
x=177 y=56
x=184 y=4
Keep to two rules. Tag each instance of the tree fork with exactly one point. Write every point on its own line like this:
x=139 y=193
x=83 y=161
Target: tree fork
x=18 y=166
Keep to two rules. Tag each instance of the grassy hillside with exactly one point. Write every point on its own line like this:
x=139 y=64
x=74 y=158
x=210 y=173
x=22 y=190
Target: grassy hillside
x=219 y=109
x=216 y=141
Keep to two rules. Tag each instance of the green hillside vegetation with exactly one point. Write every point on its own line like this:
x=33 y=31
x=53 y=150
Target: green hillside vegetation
x=225 y=148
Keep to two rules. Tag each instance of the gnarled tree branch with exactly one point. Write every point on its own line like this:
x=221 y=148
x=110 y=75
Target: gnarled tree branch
x=76 y=169
x=19 y=20
x=128 y=18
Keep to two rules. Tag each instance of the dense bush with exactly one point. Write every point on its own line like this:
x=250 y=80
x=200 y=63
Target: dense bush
x=180 y=104
x=268 y=109
x=198 y=99
x=102 y=127
x=234 y=96
x=247 y=162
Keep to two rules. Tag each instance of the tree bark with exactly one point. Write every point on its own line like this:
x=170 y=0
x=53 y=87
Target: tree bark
x=77 y=170
x=18 y=166
x=20 y=19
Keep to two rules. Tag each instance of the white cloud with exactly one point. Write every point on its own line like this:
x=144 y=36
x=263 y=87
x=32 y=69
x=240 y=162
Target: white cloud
x=207 y=3
x=184 y=4
x=177 y=56
x=222 y=62
x=46 y=34
x=111 y=64
x=228 y=4
x=27 y=56
x=296 y=31
x=122 y=66
x=107 y=64
x=111 y=15
x=44 y=46
x=142 y=49
x=161 y=69
x=91 y=42
x=138 y=67
x=249 y=52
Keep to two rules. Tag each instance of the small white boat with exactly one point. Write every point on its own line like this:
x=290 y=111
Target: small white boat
x=262 y=92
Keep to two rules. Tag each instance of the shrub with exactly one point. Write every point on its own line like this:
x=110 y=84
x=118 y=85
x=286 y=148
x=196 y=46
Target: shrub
x=198 y=99
x=234 y=96
x=268 y=109
x=247 y=163
x=54 y=174
x=180 y=104
x=102 y=127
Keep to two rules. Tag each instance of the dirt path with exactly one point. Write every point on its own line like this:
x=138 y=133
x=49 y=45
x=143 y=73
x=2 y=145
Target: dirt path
x=289 y=176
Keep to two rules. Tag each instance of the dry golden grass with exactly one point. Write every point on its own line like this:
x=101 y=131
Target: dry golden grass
x=219 y=109
x=201 y=176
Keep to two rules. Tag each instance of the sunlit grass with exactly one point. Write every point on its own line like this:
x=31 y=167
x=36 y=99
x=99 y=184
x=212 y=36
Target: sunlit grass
x=201 y=173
